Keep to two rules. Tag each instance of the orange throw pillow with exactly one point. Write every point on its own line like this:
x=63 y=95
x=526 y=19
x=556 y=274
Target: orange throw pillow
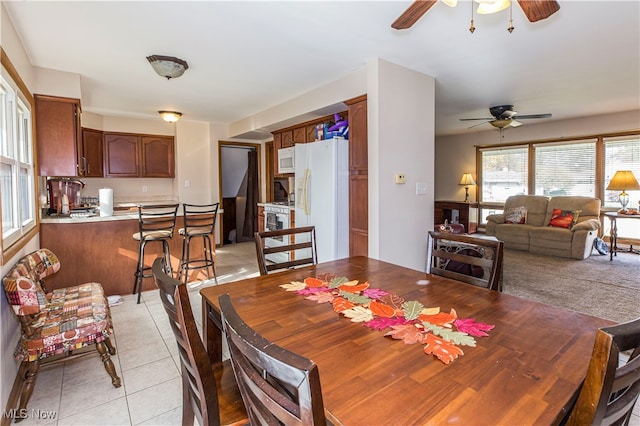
x=564 y=218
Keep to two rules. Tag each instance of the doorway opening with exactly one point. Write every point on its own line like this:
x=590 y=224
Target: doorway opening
x=239 y=168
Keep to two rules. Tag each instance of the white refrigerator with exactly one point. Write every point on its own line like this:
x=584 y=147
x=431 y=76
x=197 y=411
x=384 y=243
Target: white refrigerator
x=322 y=194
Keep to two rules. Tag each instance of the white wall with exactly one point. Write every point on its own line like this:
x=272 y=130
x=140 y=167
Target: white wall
x=457 y=154
x=401 y=109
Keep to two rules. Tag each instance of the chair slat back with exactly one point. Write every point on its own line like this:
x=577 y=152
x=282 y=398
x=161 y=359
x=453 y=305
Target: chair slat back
x=195 y=365
x=612 y=385
x=296 y=245
x=200 y=216
x=473 y=260
x=157 y=218
x=277 y=386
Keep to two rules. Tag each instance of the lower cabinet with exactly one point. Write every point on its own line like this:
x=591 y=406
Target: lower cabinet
x=112 y=262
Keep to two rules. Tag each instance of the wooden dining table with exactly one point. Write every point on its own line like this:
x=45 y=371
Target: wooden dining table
x=527 y=371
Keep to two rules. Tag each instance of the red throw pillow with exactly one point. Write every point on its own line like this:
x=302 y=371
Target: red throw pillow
x=564 y=218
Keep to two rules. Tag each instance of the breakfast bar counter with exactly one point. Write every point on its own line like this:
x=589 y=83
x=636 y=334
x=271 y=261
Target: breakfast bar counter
x=102 y=249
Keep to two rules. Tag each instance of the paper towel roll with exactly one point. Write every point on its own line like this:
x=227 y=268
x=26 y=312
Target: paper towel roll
x=106 y=202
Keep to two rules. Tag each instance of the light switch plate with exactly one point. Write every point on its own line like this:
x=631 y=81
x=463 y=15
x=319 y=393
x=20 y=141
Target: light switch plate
x=421 y=188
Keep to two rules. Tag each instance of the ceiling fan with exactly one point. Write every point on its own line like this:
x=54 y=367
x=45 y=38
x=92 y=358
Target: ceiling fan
x=505 y=116
x=535 y=10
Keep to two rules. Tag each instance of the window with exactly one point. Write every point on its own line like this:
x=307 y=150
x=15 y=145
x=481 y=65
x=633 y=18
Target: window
x=17 y=175
x=621 y=154
x=565 y=168
x=504 y=172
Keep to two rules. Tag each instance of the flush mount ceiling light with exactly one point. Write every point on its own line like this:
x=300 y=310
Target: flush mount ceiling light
x=170 y=116
x=168 y=66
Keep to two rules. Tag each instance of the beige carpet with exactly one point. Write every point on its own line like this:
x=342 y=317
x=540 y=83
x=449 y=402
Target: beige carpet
x=595 y=286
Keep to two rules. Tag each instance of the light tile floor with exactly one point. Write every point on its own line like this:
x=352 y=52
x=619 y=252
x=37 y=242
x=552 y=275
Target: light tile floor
x=147 y=362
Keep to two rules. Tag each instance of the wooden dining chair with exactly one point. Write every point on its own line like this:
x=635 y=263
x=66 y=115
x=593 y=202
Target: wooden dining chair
x=278 y=386
x=611 y=387
x=210 y=393
x=473 y=260
x=286 y=248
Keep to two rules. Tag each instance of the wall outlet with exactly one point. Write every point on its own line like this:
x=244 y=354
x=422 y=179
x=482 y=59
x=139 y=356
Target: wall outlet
x=400 y=178
x=187 y=183
x=145 y=188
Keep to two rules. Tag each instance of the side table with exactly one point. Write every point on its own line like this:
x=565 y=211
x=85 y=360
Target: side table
x=467 y=214
x=613 y=243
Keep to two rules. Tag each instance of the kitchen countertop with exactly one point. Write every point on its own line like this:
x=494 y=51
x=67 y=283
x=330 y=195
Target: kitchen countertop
x=290 y=206
x=117 y=215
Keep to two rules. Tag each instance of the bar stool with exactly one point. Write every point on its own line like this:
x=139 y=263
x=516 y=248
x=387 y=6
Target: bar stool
x=199 y=221
x=155 y=223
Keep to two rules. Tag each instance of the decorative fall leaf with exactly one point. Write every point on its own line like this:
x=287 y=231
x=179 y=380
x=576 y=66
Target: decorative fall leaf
x=337 y=282
x=457 y=337
x=358 y=314
x=293 y=286
x=382 y=323
x=408 y=333
x=440 y=319
x=355 y=298
x=430 y=311
x=313 y=282
x=326 y=277
x=392 y=300
x=312 y=290
x=470 y=326
x=324 y=297
x=445 y=351
x=374 y=293
x=412 y=309
x=350 y=283
x=354 y=288
x=381 y=309
x=341 y=304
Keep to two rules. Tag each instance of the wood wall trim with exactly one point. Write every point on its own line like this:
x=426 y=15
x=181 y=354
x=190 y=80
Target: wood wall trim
x=356 y=100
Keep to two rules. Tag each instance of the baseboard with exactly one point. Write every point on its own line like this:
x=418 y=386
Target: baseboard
x=14 y=395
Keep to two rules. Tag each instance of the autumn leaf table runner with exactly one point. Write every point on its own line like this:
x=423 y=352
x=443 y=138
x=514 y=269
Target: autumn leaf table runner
x=442 y=334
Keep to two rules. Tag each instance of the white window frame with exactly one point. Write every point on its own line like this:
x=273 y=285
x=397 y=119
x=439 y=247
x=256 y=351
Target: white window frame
x=16 y=153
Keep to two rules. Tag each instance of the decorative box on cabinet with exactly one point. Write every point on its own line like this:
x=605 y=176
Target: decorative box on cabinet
x=457 y=212
x=58 y=135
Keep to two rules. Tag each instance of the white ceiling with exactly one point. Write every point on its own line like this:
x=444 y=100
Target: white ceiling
x=245 y=57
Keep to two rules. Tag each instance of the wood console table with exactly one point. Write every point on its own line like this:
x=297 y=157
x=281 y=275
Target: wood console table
x=467 y=214
x=613 y=243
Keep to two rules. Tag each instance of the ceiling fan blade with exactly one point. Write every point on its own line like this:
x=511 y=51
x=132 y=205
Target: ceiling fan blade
x=475 y=119
x=524 y=117
x=537 y=10
x=412 y=14
x=479 y=124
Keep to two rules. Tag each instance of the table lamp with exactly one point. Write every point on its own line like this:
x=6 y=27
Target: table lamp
x=467 y=181
x=623 y=180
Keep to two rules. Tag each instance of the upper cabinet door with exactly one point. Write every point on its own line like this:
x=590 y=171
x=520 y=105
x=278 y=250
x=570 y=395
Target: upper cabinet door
x=57 y=135
x=157 y=154
x=121 y=155
x=92 y=150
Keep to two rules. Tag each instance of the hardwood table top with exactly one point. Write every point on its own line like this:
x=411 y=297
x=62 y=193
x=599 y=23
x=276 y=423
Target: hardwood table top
x=527 y=371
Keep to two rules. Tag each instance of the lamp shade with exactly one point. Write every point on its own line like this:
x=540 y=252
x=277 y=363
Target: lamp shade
x=623 y=180
x=168 y=66
x=170 y=116
x=467 y=179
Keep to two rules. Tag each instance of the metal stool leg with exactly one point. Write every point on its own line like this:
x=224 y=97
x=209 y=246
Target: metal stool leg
x=208 y=254
x=140 y=271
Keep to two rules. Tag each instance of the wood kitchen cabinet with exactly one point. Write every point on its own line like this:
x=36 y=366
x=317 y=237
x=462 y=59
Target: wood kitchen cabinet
x=287 y=139
x=133 y=155
x=92 y=153
x=358 y=177
x=457 y=212
x=300 y=134
x=58 y=135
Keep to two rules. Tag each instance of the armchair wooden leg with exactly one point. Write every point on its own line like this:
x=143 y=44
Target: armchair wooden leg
x=28 y=385
x=112 y=349
x=108 y=364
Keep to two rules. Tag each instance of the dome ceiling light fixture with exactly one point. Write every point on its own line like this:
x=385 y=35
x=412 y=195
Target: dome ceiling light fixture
x=168 y=66
x=170 y=116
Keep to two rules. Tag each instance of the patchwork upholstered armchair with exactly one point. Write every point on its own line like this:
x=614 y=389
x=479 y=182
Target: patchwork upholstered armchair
x=58 y=323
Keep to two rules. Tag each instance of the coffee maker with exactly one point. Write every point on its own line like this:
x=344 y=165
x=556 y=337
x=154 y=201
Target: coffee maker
x=64 y=195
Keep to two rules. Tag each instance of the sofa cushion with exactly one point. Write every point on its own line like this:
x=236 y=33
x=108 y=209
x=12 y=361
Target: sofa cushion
x=536 y=206
x=512 y=233
x=516 y=215
x=564 y=218
x=590 y=207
